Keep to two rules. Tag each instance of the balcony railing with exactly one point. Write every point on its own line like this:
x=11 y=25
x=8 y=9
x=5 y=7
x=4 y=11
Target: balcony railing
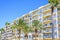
x=47 y=35
x=48 y=30
x=47 y=22
x=47 y=26
x=47 y=11
x=59 y=12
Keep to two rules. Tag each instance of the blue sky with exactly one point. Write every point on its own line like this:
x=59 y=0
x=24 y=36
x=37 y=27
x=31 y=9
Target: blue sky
x=12 y=9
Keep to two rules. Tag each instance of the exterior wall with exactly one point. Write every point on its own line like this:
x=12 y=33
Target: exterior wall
x=7 y=34
x=43 y=14
x=47 y=21
x=58 y=18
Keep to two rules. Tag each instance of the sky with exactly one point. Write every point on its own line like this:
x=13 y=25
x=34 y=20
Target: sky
x=12 y=9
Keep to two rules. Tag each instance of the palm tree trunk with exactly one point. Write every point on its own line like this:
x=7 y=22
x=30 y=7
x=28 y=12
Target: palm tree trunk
x=35 y=36
x=35 y=33
x=13 y=34
x=52 y=9
x=26 y=36
x=19 y=34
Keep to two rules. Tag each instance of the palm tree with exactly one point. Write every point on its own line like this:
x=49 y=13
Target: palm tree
x=13 y=30
x=7 y=24
x=36 y=25
x=12 y=27
x=40 y=27
x=2 y=30
x=26 y=31
x=53 y=3
x=19 y=25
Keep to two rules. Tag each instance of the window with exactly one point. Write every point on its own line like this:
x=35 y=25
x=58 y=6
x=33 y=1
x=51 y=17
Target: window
x=59 y=28
x=55 y=34
x=30 y=18
x=45 y=25
x=58 y=8
x=55 y=22
x=55 y=28
x=59 y=35
x=51 y=23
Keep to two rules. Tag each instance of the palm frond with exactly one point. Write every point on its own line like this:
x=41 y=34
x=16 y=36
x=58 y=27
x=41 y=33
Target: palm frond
x=7 y=23
x=53 y=2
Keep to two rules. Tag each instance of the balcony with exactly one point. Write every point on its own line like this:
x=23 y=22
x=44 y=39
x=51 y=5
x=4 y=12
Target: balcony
x=58 y=22
x=47 y=11
x=47 y=26
x=35 y=15
x=47 y=19
x=47 y=32
x=27 y=20
x=47 y=16
x=26 y=16
x=47 y=38
x=47 y=22
x=58 y=18
x=58 y=12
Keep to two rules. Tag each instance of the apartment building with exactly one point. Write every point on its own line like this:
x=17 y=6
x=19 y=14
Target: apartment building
x=7 y=33
x=47 y=21
x=43 y=14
